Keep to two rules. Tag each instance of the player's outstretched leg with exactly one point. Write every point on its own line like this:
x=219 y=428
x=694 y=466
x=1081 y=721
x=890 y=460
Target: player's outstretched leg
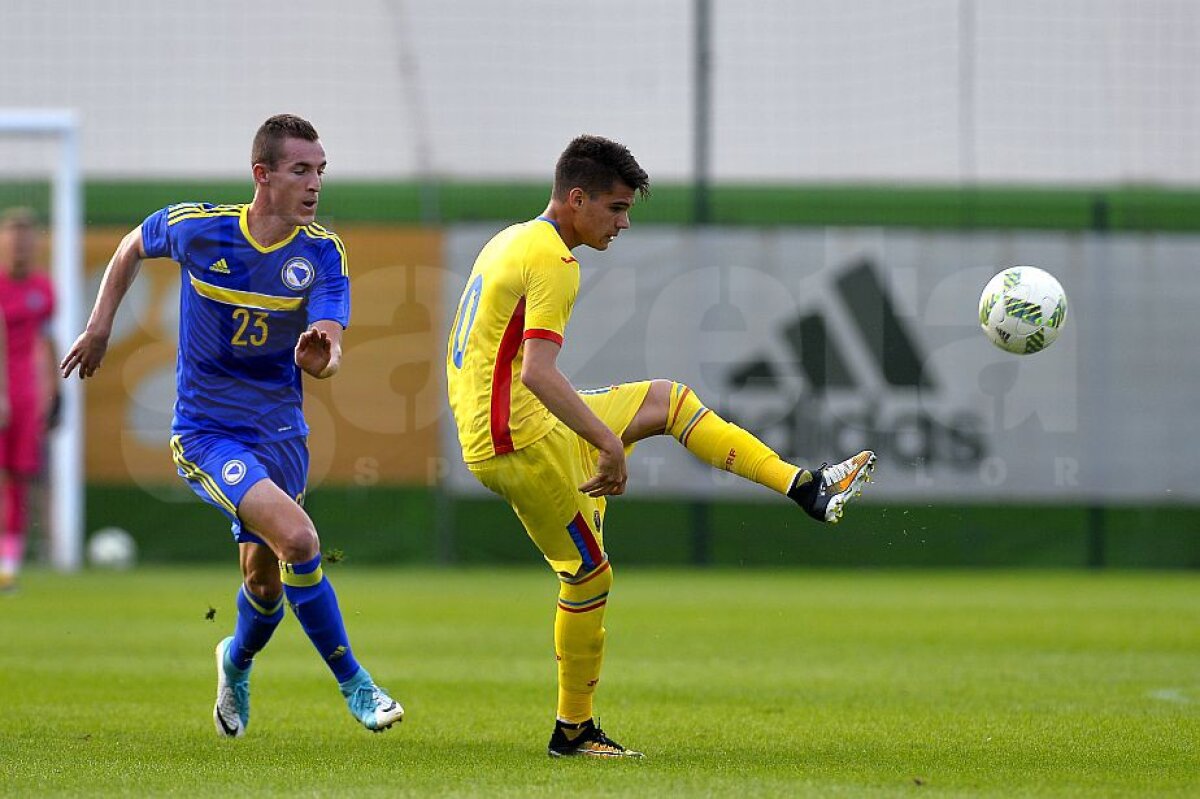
x=316 y=607
x=722 y=444
x=272 y=515
x=825 y=494
x=822 y=492
x=232 y=711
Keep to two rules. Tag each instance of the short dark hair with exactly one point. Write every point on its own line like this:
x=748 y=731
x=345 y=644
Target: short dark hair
x=595 y=164
x=268 y=142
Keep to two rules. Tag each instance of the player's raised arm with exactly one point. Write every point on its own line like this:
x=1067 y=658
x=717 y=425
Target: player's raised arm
x=319 y=349
x=88 y=350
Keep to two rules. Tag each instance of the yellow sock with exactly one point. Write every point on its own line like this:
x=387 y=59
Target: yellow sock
x=724 y=445
x=579 y=640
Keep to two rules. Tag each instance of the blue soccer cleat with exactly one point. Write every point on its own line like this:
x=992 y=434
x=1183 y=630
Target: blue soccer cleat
x=369 y=703
x=231 y=714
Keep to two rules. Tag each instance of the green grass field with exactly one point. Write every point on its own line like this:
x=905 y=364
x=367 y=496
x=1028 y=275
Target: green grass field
x=734 y=683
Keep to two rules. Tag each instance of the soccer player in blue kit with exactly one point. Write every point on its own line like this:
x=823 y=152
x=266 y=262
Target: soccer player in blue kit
x=265 y=295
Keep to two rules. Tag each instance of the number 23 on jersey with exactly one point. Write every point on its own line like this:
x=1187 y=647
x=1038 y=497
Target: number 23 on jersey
x=251 y=328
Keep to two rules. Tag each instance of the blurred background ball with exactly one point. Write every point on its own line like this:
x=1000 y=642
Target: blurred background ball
x=111 y=548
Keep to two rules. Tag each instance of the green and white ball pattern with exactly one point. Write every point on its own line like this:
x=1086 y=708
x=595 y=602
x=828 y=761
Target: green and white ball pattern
x=1022 y=309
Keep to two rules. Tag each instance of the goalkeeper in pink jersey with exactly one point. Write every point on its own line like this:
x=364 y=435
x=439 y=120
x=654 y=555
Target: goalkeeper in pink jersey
x=27 y=303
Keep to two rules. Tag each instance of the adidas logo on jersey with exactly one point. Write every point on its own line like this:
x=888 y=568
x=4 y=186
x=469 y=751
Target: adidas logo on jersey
x=220 y=267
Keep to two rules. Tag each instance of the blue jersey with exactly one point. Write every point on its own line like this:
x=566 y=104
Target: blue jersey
x=242 y=307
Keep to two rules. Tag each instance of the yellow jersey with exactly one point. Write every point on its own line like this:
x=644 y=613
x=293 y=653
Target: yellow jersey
x=523 y=285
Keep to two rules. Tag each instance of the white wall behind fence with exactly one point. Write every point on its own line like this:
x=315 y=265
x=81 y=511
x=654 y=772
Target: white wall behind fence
x=1073 y=91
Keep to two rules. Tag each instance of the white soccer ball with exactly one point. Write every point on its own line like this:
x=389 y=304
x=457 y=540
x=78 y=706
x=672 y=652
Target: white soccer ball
x=112 y=548
x=1022 y=309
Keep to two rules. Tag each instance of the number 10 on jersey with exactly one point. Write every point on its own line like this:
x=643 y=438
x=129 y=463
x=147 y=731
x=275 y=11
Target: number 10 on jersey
x=466 y=318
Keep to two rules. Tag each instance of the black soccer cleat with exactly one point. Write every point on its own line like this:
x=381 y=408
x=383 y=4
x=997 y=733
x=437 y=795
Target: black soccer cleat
x=824 y=497
x=585 y=739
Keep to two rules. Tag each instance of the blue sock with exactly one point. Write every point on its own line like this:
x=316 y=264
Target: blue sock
x=256 y=621
x=315 y=605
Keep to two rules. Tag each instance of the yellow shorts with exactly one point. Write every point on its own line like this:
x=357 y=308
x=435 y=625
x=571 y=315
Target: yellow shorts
x=541 y=482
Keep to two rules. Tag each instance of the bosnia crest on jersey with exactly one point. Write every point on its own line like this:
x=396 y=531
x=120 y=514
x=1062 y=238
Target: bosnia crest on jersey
x=297 y=274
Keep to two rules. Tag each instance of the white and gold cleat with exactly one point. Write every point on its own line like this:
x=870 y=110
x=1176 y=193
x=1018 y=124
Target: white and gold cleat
x=824 y=497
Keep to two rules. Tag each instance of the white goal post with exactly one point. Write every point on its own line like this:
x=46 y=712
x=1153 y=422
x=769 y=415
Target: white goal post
x=66 y=230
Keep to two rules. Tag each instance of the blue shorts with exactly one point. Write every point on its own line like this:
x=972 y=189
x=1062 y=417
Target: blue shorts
x=221 y=470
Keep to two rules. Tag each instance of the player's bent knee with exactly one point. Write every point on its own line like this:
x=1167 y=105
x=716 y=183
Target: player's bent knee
x=683 y=409
x=275 y=517
x=660 y=388
x=651 y=416
x=659 y=397
x=298 y=544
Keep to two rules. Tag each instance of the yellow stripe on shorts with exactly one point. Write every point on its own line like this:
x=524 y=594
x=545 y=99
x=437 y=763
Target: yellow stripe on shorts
x=193 y=472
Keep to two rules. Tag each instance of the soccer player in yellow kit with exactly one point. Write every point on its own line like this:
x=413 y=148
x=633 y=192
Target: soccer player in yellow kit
x=554 y=453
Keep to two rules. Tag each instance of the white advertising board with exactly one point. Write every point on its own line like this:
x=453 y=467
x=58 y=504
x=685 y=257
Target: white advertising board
x=823 y=342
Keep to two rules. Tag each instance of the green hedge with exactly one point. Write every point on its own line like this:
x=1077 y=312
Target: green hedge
x=1118 y=208
x=416 y=526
